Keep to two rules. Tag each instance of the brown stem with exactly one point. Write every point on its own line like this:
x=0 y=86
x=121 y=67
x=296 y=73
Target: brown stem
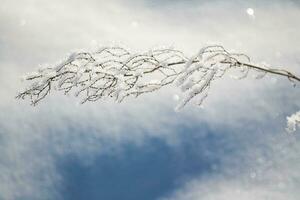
x=279 y=72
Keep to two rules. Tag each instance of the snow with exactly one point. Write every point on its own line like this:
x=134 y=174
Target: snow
x=23 y=22
x=50 y=74
x=138 y=73
x=250 y=11
x=292 y=122
x=154 y=82
x=176 y=97
x=197 y=89
x=134 y=24
x=31 y=75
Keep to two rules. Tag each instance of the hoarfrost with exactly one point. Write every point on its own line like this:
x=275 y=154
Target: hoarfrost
x=115 y=72
x=293 y=122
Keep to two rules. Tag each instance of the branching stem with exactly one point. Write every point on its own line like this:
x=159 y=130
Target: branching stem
x=114 y=72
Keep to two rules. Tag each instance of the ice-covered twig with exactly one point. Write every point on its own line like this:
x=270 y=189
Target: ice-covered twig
x=115 y=72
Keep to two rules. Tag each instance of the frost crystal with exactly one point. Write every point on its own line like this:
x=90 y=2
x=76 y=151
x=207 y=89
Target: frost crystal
x=292 y=122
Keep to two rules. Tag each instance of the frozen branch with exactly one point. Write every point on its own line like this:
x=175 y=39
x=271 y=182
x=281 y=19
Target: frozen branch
x=115 y=72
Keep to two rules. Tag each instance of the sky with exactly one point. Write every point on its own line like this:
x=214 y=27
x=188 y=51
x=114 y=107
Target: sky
x=233 y=147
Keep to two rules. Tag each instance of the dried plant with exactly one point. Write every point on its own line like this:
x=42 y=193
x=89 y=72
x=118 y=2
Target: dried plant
x=115 y=72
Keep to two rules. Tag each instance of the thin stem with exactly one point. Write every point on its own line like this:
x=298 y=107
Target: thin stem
x=279 y=72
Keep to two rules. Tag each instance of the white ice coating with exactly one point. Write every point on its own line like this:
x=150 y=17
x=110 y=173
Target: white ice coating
x=114 y=72
x=293 y=122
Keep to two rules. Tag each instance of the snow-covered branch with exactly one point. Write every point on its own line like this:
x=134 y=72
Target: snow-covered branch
x=115 y=72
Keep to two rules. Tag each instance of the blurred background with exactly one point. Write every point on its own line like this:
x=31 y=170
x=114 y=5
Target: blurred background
x=234 y=147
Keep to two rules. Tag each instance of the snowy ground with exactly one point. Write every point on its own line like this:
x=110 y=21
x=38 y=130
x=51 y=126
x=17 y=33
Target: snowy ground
x=235 y=147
